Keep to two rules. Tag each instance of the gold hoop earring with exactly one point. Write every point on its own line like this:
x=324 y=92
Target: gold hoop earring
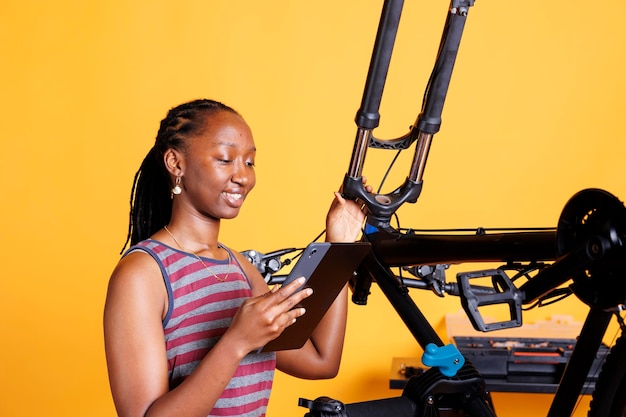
x=176 y=189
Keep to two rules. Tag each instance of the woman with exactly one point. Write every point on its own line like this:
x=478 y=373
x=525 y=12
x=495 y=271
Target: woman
x=184 y=312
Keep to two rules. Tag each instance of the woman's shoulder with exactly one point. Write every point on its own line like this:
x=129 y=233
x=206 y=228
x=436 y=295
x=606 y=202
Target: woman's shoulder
x=137 y=268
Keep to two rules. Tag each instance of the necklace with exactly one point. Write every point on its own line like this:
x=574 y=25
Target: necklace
x=200 y=259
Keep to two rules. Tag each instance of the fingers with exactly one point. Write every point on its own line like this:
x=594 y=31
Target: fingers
x=367 y=187
x=287 y=296
x=292 y=315
x=287 y=290
x=271 y=291
x=281 y=301
x=340 y=200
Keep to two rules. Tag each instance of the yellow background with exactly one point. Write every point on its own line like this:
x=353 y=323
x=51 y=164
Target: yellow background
x=535 y=113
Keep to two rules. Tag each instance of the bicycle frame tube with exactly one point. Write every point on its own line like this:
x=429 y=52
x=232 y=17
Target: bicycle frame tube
x=394 y=249
x=581 y=360
x=397 y=249
x=399 y=298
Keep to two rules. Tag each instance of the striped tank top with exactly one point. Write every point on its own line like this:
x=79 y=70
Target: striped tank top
x=201 y=308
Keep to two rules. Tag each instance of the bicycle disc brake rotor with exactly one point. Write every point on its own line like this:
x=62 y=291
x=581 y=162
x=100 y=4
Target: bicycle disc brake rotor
x=596 y=219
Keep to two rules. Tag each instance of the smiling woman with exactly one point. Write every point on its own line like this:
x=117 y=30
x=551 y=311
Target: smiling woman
x=185 y=315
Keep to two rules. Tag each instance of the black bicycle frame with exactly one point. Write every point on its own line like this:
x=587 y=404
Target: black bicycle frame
x=392 y=248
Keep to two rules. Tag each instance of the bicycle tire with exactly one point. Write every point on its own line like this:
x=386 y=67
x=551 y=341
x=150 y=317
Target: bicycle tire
x=609 y=397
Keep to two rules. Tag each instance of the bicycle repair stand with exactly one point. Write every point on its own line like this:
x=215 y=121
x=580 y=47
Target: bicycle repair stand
x=430 y=393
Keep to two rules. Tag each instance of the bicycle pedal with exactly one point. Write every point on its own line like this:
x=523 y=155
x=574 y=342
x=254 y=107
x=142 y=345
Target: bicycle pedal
x=502 y=292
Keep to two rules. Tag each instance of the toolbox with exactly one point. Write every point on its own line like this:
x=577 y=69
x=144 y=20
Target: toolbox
x=523 y=364
x=531 y=358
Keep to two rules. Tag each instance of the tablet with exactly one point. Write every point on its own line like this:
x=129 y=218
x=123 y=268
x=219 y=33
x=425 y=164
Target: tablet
x=327 y=267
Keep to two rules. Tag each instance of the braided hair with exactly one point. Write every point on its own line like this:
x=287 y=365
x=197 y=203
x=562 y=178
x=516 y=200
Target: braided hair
x=150 y=197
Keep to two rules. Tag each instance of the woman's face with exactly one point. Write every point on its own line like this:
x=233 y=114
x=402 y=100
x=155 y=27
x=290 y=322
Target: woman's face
x=219 y=169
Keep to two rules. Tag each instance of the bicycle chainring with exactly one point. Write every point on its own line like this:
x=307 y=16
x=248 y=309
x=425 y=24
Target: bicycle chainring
x=596 y=219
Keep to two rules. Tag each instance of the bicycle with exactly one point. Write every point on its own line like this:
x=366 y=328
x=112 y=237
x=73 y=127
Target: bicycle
x=586 y=251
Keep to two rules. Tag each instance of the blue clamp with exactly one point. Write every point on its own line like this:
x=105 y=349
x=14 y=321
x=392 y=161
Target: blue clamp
x=369 y=229
x=447 y=358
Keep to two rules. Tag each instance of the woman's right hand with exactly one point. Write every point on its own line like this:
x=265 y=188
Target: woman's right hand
x=263 y=318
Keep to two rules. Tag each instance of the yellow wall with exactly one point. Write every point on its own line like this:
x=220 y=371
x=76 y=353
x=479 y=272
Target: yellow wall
x=534 y=114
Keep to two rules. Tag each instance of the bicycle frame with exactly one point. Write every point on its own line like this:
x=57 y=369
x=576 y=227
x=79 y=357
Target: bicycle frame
x=376 y=268
x=587 y=247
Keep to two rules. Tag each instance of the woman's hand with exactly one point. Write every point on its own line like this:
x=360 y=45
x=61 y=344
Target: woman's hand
x=263 y=318
x=345 y=218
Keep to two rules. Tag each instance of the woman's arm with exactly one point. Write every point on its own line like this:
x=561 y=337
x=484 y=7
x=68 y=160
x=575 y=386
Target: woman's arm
x=320 y=357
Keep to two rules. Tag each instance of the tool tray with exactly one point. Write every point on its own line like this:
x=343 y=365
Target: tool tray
x=523 y=364
x=519 y=359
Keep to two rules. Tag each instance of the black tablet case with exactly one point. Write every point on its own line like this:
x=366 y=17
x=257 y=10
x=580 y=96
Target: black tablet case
x=327 y=267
